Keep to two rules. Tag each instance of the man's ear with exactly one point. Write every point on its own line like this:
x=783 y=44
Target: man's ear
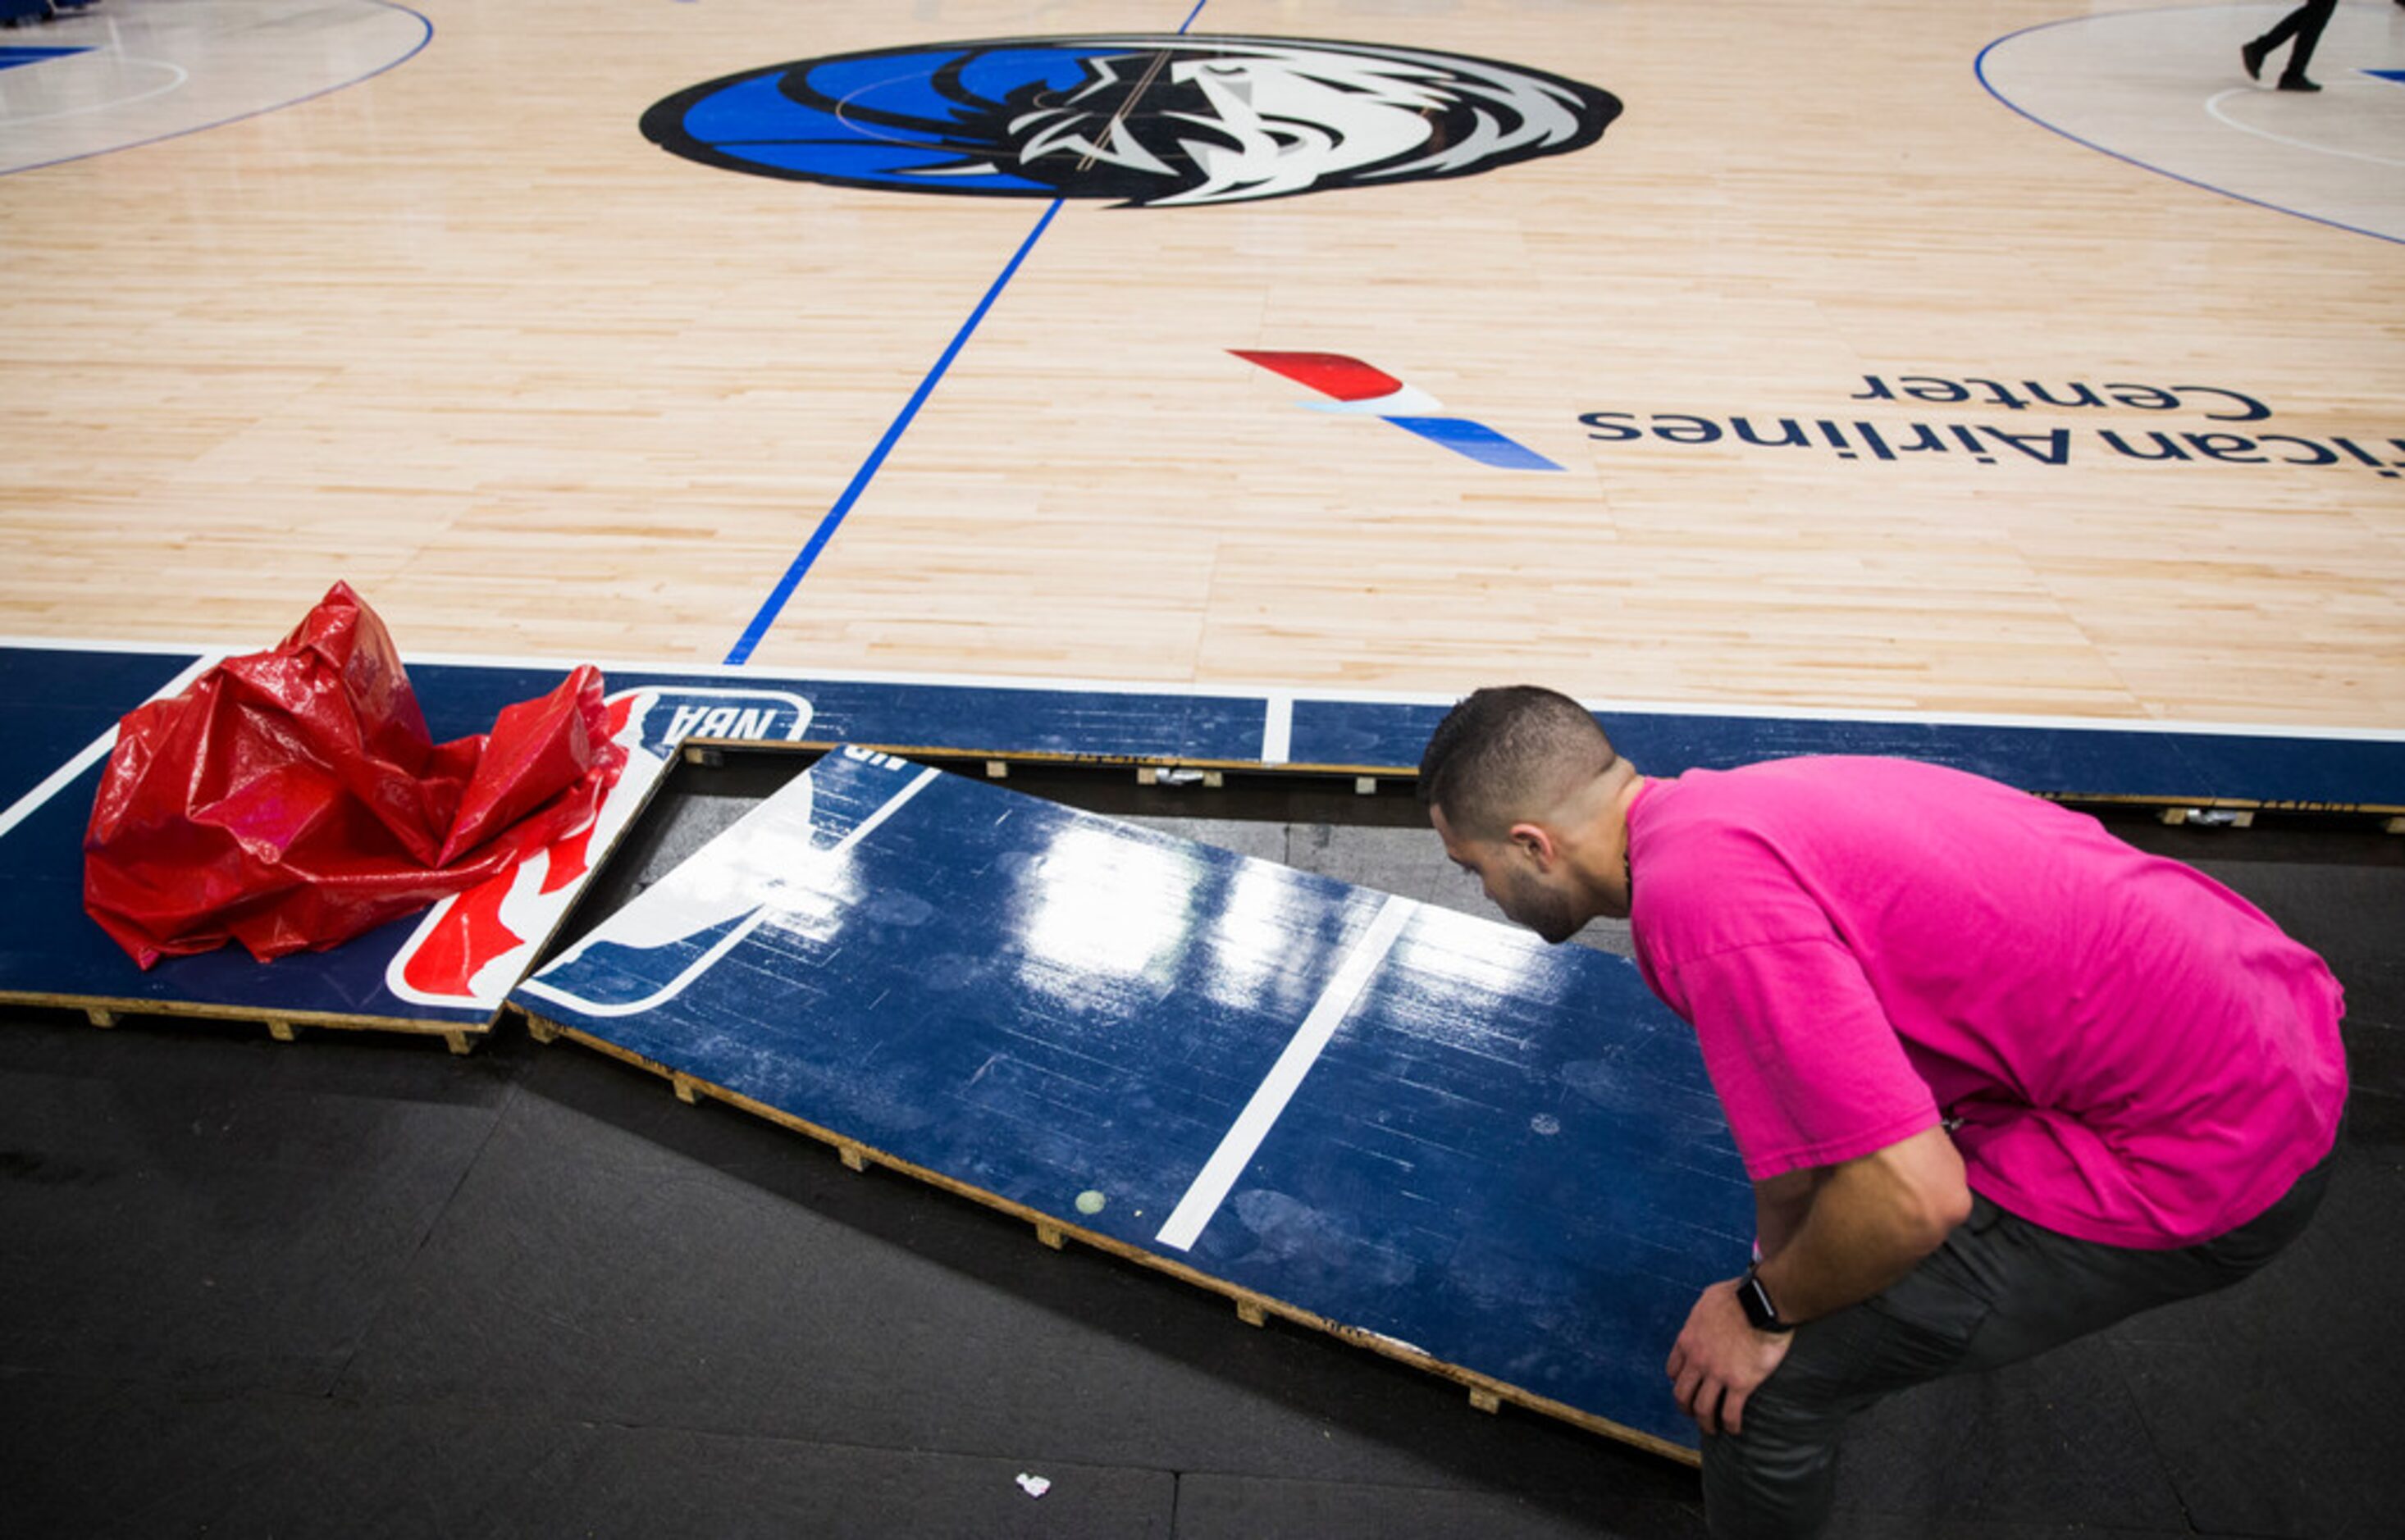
x=1538 y=841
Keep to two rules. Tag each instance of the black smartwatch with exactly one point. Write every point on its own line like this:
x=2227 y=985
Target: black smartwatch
x=1756 y=1302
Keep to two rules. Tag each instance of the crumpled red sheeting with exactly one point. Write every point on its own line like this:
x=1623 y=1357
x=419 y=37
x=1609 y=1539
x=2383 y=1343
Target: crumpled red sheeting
x=291 y=800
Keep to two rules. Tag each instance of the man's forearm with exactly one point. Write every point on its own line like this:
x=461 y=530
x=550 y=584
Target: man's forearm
x=1866 y=1223
x=1779 y=1206
x=1830 y=1263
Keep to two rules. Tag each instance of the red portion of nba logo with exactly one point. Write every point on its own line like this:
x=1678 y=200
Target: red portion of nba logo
x=469 y=936
x=471 y=932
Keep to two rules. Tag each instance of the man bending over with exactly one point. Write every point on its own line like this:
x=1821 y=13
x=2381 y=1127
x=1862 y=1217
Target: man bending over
x=2000 y=1080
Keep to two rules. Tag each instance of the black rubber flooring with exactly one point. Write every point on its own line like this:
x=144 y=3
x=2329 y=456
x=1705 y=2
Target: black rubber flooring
x=360 y=1286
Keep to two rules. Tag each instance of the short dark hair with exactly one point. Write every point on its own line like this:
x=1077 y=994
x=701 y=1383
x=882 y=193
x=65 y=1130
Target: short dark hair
x=1503 y=752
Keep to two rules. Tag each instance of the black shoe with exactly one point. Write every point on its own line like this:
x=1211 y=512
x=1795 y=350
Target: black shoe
x=2250 y=55
x=2298 y=82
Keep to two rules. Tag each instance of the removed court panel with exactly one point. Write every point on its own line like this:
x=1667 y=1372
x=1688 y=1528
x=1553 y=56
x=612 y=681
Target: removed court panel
x=1428 y=1133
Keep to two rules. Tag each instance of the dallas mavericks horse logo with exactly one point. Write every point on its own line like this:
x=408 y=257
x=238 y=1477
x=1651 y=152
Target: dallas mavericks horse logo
x=1152 y=122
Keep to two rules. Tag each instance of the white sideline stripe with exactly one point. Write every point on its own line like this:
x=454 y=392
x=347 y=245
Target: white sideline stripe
x=1277 y=729
x=727 y=942
x=94 y=751
x=1252 y=1126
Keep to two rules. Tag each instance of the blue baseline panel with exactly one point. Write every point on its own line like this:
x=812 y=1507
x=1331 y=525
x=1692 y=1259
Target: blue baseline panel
x=2298 y=769
x=1034 y=720
x=56 y=696
x=2101 y=761
x=1508 y=1157
x=54 y=703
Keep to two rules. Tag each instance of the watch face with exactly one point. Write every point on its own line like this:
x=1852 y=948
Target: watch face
x=1756 y=1301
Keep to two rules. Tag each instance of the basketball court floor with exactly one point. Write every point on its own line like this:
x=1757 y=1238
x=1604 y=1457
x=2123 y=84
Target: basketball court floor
x=300 y=291
x=1864 y=368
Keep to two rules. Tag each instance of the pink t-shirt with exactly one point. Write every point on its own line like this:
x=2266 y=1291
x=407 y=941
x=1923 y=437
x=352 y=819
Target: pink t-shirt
x=2136 y=1054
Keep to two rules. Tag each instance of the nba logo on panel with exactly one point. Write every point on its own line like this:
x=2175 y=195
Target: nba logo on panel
x=784 y=865
x=471 y=947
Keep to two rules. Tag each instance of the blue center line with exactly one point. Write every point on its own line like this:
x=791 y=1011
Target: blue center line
x=867 y=473
x=782 y=594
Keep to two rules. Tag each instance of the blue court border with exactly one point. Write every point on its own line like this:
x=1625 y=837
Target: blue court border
x=58 y=698
x=1979 y=68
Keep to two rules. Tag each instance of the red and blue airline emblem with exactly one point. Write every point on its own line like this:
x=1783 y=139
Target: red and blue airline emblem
x=1357 y=389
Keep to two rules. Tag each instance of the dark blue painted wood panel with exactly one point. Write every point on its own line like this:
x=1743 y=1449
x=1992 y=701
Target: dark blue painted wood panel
x=54 y=703
x=1521 y=1145
x=1032 y=720
x=2054 y=760
x=1000 y=719
x=1507 y=1156
x=51 y=950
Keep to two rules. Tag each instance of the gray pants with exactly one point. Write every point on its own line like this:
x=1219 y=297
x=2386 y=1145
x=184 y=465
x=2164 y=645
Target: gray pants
x=2001 y=1288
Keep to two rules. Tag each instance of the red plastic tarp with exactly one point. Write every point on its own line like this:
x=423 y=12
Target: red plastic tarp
x=292 y=799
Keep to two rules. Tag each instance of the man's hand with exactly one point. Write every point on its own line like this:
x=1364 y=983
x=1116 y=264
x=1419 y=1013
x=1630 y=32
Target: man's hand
x=1831 y=1237
x=1720 y=1358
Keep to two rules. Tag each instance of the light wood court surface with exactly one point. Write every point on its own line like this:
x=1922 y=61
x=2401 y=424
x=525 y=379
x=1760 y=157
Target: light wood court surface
x=460 y=335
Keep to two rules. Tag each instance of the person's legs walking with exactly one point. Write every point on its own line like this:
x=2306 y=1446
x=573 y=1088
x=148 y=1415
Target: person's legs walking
x=2311 y=18
x=2304 y=24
